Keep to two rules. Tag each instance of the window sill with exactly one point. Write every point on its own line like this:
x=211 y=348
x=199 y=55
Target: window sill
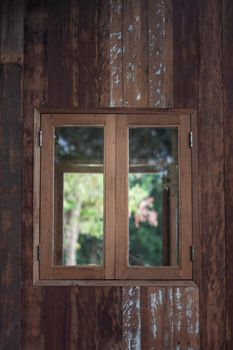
x=116 y=283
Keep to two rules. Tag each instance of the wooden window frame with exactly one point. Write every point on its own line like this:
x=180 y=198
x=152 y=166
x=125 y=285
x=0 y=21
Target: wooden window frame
x=115 y=270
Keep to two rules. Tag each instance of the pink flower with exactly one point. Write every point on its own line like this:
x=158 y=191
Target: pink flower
x=146 y=213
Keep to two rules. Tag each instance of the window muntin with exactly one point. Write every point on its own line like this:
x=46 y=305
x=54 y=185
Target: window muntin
x=116 y=169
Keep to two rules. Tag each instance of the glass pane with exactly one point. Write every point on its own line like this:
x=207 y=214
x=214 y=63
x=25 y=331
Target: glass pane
x=153 y=196
x=79 y=196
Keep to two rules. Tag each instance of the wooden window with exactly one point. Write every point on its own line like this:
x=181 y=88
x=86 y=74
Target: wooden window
x=113 y=195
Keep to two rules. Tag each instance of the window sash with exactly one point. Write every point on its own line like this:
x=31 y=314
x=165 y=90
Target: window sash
x=116 y=197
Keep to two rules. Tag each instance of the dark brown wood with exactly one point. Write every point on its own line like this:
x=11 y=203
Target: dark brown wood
x=60 y=53
x=117 y=283
x=211 y=184
x=100 y=308
x=10 y=198
x=12 y=33
x=116 y=53
x=91 y=47
x=228 y=143
x=103 y=36
x=115 y=110
x=135 y=59
x=88 y=54
x=169 y=318
x=160 y=53
x=35 y=94
x=185 y=62
x=57 y=318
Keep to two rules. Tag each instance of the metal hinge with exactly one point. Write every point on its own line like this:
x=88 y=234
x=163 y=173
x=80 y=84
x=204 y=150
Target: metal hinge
x=192 y=253
x=40 y=138
x=38 y=252
x=191 y=139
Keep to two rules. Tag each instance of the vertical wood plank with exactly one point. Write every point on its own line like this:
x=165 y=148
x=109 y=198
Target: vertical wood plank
x=135 y=58
x=228 y=143
x=135 y=94
x=57 y=326
x=12 y=33
x=131 y=326
x=60 y=54
x=103 y=323
x=103 y=69
x=170 y=318
x=211 y=201
x=10 y=197
x=35 y=94
x=88 y=54
x=75 y=48
x=83 y=318
x=185 y=53
x=108 y=318
x=116 y=53
x=160 y=53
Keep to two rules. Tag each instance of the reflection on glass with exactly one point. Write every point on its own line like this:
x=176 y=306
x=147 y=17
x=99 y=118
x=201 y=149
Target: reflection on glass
x=153 y=196
x=79 y=196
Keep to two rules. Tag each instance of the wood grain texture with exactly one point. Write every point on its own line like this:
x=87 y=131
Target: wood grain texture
x=35 y=94
x=170 y=318
x=103 y=37
x=84 y=46
x=10 y=197
x=135 y=59
x=131 y=313
x=228 y=149
x=185 y=63
x=211 y=165
x=96 y=318
x=160 y=53
x=57 y=320
x=88 y=54
x=116 y=53
x=60 y=53
x=12 y=33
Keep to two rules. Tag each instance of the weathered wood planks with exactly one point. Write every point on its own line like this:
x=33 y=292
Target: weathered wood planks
x=96 y=318
x=10 y=208
x=60 y=53
x=12 y=31
x=170 y=318
x=185 y=43
x=87 y=54
x=227 y=31
x=75 y=55
x=11 y=119
x=211 y=180
x=35 y=94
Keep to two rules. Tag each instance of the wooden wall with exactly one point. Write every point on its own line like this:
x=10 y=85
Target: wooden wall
x=79 y=53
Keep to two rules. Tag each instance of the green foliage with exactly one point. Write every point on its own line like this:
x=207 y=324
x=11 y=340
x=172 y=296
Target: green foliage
x=83 y=211
x=145 y=239
x=84 y=192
